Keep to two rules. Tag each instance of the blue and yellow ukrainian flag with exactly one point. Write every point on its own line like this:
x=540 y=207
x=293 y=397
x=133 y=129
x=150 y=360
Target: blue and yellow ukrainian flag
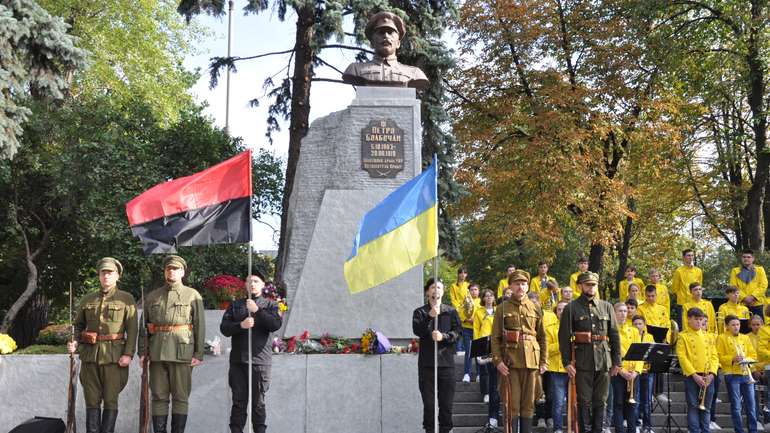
x=396 y=235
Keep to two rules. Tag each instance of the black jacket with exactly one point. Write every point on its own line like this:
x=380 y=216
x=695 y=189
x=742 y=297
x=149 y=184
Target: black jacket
x=266 y=320
x=448 y=324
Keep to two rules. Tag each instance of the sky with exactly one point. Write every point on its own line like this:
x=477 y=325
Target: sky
x=252 y=35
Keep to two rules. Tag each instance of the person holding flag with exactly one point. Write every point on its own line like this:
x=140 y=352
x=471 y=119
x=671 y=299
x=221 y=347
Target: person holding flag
x=438 y=326
x=259 y=314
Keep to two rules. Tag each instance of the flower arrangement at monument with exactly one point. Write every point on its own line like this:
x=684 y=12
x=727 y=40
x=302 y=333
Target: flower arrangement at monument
x=277 y=294
x=225 y=289
x=7 y=344
x=372 y=343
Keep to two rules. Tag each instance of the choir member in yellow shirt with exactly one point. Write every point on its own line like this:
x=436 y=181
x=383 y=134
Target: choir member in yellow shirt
x=699 y=362
x=625 y=402
x=550 y=296
x=653 y=313
x=734 y=348
x=503 y=283
x=466 y=320
x=483 y=318
x=751 y=280
x=630 y=278
x=731 y=307
x=646 y=379
x=756 y=324
x=558 y=375
x=540 y=280
x=697 y=301
x=582 y=264
x=684 y=276
x=662 y=291
x=632 y=306
x=567 y=294
x=459 y=289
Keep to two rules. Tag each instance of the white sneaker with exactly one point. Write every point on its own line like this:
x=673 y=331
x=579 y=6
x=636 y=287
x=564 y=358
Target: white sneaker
x=549 y=422
x=606 y=430
x=662 y=398
x=478 y=378
x=486 y=398
x=492 y=422
x=760 y=427
x=466 y=378
x=541 y=423
x=557 y=431
x=714 y=426
x=719 y=400
x=767 y=426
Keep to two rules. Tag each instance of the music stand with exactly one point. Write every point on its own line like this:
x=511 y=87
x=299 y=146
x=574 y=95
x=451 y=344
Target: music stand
x=658 y=333
x=745 y=326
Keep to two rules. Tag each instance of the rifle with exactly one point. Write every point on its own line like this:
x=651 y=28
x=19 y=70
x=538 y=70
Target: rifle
x=573 y=426
x=144 y=396
x=506 y=380
x=72 y=386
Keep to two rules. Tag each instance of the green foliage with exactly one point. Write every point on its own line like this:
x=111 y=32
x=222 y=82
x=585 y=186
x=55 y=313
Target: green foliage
x=36 y=54
x=137 y=48
x=42 y=349
x=88 y=158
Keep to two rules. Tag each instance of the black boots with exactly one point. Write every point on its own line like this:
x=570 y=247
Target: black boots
x=93 y=420
x=178 y=422
x=159 y=423
x=109 y=416
x=526 y=425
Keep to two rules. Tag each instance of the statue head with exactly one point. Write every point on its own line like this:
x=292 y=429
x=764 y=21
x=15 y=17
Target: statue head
x=385 y=31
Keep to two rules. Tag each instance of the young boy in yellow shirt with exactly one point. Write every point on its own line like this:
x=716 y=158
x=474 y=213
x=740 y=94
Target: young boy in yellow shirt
x=699 y=362
x=733 y=349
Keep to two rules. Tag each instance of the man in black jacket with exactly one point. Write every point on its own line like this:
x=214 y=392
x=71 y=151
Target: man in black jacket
x=261 y=316
x=449 y=329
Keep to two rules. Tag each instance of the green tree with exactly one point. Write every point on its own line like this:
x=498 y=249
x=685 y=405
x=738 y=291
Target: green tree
x=36 y=56
x=136 y=51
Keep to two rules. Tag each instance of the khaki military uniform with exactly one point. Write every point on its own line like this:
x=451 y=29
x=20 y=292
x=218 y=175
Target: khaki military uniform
x=523 y=356
x=176 y=324
x=593 y=359
x=110 y=319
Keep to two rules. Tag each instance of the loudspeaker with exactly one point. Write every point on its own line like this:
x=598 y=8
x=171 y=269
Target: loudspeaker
x=40 y=424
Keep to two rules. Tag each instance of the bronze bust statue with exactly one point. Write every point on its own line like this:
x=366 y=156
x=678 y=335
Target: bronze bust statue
x=385 y=30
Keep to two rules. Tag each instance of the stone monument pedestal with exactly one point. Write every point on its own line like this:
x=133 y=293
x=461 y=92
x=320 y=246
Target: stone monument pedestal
x=348 y=164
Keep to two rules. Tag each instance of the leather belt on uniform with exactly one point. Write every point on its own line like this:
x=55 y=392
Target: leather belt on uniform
x=599 y=338
x=109 y=337
x=524 y=336
x=153 y=328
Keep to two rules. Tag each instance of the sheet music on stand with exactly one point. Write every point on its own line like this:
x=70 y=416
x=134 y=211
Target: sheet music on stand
x=654 y=353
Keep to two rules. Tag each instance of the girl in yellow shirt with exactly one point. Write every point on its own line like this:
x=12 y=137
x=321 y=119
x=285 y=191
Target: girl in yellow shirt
x=482 y=327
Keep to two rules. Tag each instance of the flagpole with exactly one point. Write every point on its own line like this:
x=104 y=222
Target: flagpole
x=251 y=238
x=435 y=323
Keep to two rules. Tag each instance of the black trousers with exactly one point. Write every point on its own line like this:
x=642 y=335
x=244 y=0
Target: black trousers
x=446 y=394
x=238 y=378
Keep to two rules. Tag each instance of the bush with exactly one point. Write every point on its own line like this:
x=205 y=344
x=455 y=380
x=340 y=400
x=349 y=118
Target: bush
x=42 y=349
x=54 y=335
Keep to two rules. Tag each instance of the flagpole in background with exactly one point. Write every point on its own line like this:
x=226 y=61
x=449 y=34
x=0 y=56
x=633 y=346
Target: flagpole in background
x=248 y=283
x=435 y=324
x=229 y=47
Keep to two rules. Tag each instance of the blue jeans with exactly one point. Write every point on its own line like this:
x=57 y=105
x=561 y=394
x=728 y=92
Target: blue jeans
x=558 y=392
x=622 y=409
x=738 y=387
x=645 y=398
x=697 y=420
x=467 y=338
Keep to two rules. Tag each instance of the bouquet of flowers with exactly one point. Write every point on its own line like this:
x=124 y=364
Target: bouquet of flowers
x=271 y=291
x=333 y=344
x=7 y=345
x=374 y=342
x=225 y=289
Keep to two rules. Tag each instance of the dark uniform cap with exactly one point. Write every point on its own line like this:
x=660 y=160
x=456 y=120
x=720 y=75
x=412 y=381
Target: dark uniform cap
x=257 y=272
x=110 y=264
x=174 y=261
x=518 y=275
x=588 y=277
x=385 y=19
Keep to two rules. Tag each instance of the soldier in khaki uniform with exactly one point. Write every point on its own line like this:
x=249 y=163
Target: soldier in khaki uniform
x=519 y=350
x=105 y=328
x=176 y=324
x=597 y=350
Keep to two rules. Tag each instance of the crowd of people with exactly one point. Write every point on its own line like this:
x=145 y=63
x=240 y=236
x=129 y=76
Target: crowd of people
x=545 y=339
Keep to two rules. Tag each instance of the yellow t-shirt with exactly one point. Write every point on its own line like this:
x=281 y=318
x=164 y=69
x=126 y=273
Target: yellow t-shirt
x=457 y=292
x=707 y=307
x=756 y=287
x=680 y=282
x=551 y=325
x=501 y=287
x=623 y=288
x=482 y=322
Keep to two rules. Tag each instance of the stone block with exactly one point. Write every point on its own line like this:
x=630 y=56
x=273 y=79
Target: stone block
x=401 y=401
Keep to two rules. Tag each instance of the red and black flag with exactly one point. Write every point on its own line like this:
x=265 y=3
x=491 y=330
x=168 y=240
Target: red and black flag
x=210 y=207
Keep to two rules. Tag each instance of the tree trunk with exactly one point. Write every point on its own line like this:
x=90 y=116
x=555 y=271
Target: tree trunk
x=22 y=300
x=752 y=212
x=300 y=114
x=30 y=320
x=625 y=246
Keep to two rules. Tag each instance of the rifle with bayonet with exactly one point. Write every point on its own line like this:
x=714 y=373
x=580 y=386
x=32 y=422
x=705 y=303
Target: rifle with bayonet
x=72 y=386
x=144 y=395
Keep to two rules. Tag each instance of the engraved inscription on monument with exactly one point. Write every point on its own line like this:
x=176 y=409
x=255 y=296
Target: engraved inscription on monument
x=382 y=148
